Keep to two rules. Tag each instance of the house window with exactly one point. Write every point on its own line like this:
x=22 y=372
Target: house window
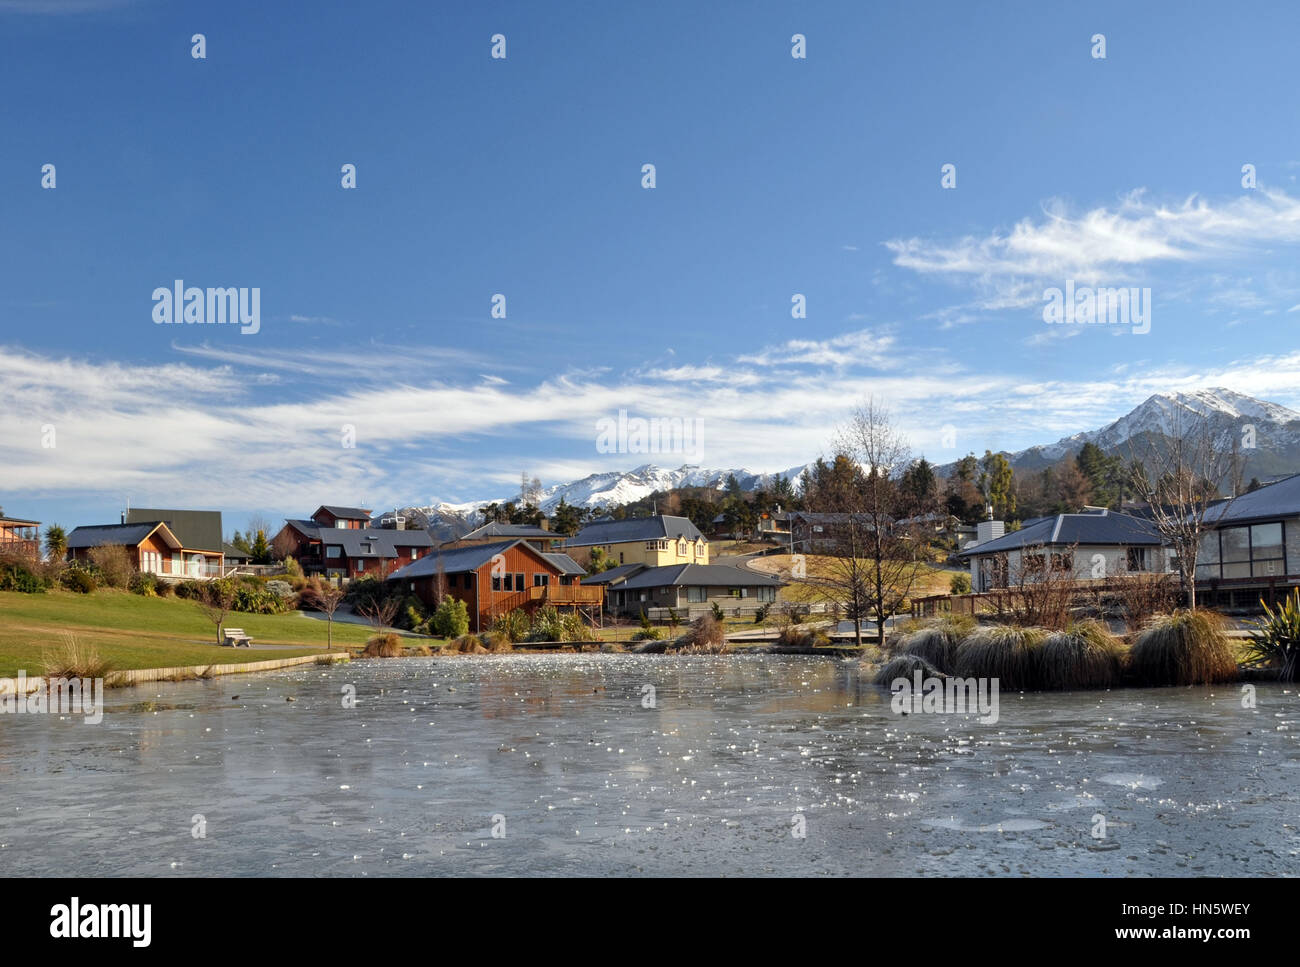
x=496 y=582
x=767 y=594
x=1063 y=563
x=681 y=548
x=695 y=595
x=541 y=580
x=1249 y=551
x=333 y=551
x=365 y=549
x=1136 y=558
x=519 y=581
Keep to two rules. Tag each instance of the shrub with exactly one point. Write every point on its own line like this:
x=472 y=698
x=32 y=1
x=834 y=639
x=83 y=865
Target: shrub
x=906 y=666
x=1011 y=655
x=292 y=568
x=761 y=613
x=1276 y=638
x=494 y=641
x=114 y=564
x=647 y=634
x=960 y=584
x=145 y=585
x=163 y=588
x=513 y=624
x=79 y=580
x=717 y=610
x=451 y=619
x=706 y=636
x=387 y=645
x=17 y=576
x=1185 y=648
x=190 y=590
x=645 y=622
x=252 y=599
x=1084 y=655
x=574 y=628
x=281 y=589
x=548 y=626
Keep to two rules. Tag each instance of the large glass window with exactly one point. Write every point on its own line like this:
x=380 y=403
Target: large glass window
x=1256 y=550
x=695 y=595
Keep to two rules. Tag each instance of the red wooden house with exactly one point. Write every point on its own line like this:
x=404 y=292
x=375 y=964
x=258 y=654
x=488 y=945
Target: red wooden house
x=494 y=579
x=340 y=542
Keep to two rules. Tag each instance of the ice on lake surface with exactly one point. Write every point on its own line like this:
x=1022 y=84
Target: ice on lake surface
x=560 y=757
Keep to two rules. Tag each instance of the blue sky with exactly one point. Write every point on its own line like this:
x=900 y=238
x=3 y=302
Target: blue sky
x=522 y=176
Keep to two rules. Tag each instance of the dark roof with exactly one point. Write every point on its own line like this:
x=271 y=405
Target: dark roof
x=234 y=553
x=198 y=530
x=345 y=513
x=639 y=529
x=1065 y=529
x=613 y=574
x=383 y=542
x=1271 y=502
x=127 y=534
x=699 y=575
x=495 y=529
x=566 y=564
x=457 y=560
x=309 y=528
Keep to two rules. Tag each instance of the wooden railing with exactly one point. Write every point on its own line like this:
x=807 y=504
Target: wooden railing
x=567 y=594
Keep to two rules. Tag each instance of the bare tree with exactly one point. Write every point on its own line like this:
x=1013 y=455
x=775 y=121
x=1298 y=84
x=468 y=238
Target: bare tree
x=217 y=599
x=328 y=599
x=379 y=611
x=877 y=540
x=1179 y=476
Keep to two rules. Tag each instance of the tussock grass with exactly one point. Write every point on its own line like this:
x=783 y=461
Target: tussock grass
x=1084 y=655
x=1010 y=655
x=1184 y=648
x=937 y=642
x=71 y=659
x=495 y=642
x=706 y=636
x=905 y=666
x=387 y=645
x=464 y=645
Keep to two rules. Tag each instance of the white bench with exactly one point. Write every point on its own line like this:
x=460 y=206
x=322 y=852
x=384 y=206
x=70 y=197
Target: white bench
x=235 y=638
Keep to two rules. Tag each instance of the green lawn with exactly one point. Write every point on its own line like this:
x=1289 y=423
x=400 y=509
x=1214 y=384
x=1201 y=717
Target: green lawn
x=131 y=631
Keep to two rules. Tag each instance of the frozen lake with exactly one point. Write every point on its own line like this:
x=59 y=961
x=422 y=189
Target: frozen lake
x=561 y=756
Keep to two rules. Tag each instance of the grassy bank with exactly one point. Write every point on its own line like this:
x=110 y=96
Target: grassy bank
x=130 y=631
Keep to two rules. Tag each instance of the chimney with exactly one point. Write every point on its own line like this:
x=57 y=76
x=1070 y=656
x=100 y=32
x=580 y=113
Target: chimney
x=544 y=524
x=987 y=530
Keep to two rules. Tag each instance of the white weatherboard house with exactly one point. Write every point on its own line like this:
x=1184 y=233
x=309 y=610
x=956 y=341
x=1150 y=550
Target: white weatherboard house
x=1090 y=546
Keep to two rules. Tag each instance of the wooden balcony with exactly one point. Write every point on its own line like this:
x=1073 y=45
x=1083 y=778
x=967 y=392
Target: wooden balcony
x=568 y=594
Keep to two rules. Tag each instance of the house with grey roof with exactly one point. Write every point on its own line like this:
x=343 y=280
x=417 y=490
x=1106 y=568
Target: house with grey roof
x=152 y=547
x=540 y=536
x=341 y=544
x=689 y=589
x=1088 y=546
x=495 y=578
x=653 y=541
x=1252 y=548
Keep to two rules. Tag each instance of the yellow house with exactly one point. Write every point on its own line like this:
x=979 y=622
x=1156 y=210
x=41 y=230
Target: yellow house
x=653 y=541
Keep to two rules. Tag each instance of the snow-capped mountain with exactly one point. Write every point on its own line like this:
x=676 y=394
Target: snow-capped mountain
x=1276 y=429
x=612 y=489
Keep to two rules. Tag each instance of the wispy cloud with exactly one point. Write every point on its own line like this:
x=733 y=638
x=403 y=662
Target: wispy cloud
x=1111 y=245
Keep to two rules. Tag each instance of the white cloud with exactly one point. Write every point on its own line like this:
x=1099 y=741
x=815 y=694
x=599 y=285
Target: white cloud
x=1103 y=245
